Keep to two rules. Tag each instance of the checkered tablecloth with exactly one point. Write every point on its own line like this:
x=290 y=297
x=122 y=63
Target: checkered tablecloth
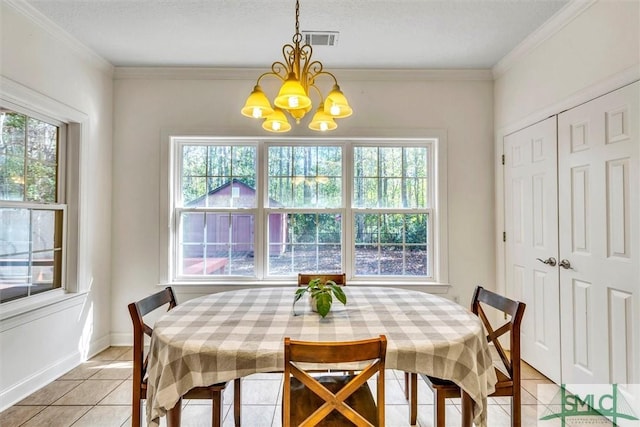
x=233 y=334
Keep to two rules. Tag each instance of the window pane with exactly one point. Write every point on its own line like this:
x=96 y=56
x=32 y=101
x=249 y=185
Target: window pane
x=390 y=192
x=12 y=155
x=194 y=190
x=391 y=228
x=30 y=252
x=391 y=244
x=313 y=243
x=41 y=181
x=280 y=161
x=366 y=161
x=304 y=161
x=305 y=176
x=390 y=177
x=416 y=228
x=216 y=244
x=392 y=260
x=218 y=176
x=367 y=260
x=28 y=159
x=366 y=228
x=194 y=160
x=42 y=150
x=42 y=230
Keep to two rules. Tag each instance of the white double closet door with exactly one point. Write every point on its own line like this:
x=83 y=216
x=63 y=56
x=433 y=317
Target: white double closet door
x=572 y=220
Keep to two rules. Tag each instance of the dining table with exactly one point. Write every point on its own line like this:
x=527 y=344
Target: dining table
x=223 y=336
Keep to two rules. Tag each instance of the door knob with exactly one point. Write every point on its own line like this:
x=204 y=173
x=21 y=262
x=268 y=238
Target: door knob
x=549 y=261
x=565 y=264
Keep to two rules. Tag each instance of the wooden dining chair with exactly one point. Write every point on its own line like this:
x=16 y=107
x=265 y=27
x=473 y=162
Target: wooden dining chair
x=333 y=400
x=138 y=310
x=305 y=278
x=506 y=365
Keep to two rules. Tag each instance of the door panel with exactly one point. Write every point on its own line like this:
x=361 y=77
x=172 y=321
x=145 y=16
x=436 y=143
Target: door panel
x=599 y=217
x=531 y=225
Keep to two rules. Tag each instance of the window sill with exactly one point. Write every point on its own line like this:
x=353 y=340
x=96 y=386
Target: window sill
x=193 y=287
x=21 y=311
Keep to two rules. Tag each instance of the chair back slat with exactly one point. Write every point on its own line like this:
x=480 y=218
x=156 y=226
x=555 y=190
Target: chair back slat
x=497 y=301
x=305 y=278
x=334 y=352
x=515 y=311
x=137 y=311
x=372 y=351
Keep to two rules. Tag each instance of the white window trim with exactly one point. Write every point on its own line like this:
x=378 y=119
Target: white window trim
x=76 y=266
x=439 y=215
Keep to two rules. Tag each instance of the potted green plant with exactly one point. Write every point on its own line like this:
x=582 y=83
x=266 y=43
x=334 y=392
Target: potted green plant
x=321 y=295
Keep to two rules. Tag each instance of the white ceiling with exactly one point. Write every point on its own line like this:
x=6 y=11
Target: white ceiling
x=393 y=34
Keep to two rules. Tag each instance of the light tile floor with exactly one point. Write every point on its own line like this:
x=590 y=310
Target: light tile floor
x=98 y=394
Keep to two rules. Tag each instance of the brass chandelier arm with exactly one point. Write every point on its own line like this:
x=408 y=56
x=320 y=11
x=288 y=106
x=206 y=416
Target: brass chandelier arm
x=289 y=52
x=273 y=73
x=314 y=74
x=312 y=85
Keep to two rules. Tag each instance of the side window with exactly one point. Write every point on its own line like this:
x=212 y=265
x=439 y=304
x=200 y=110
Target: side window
x=32 y=205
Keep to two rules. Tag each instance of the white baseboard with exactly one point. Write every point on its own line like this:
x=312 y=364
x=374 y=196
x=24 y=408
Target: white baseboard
x=122 y=339
x=98 y=345
x=29 y=385
x=24 y=388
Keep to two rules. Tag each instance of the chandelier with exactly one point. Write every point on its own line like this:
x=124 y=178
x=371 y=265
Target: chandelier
x=298 y=75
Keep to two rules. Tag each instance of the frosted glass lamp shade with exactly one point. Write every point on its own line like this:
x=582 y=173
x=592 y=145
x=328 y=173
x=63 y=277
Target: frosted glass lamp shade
x=336 y=104
x=292 y=95
x=257 y=105
x=322 y=121
x=276 y=122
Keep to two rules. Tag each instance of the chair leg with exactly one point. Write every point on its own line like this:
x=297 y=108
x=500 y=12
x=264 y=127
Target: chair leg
x=136 y=408
x=467 y=409
x=236 y=401
x=216 y=407
x=413 y=400
x=174 y=414
x=438 y=409
x=516 y=409
x=406 y=385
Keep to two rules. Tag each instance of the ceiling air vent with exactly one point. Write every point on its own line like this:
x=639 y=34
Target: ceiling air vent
x=320 y=38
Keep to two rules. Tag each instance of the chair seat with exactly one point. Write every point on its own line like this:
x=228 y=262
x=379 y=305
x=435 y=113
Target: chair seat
x=440 y=383
x=204 y=392
x=503 y=382
x=305 y=402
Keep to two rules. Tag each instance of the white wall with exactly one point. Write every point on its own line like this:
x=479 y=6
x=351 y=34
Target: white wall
x=594 y=52
x=38 y=346
x=598 y=44
x=148 y=102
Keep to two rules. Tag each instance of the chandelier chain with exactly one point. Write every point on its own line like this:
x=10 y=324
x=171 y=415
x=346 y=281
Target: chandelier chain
x=297 y=17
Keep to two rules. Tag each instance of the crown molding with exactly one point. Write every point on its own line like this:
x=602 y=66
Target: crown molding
x=59 y=34
x=212 y=73
x=552 y=26
x=609 y=84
